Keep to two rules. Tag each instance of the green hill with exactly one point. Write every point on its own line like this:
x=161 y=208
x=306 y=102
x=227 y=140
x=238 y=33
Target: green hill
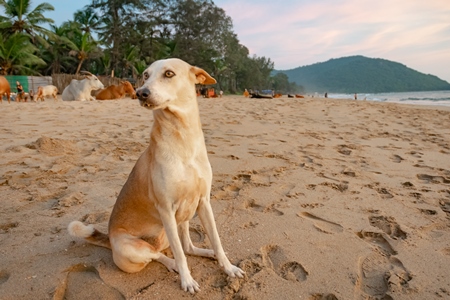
x=359 y=74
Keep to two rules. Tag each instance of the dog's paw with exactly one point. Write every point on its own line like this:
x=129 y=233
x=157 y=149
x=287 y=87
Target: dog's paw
x=234 y=271
x=190 y=285
x=172 y=266
x=168 y=262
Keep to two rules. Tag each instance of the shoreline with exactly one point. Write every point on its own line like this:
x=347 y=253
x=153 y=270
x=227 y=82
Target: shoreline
x=432 y=98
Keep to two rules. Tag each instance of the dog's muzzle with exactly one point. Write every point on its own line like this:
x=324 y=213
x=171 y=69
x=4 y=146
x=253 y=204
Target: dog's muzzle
x=143 y=94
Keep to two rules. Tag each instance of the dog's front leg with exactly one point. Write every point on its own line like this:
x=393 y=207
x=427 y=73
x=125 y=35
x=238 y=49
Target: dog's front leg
x=170 y=226
x=207 y=217
x=188 y=246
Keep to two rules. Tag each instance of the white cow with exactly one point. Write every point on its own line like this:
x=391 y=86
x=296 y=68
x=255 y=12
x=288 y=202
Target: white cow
x=81 y=89
x=46 y=90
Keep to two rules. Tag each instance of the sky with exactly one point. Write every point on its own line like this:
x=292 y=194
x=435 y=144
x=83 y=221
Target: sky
x=295 y=33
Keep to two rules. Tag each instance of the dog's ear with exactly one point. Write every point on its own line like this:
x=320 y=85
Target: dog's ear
x=202 y=77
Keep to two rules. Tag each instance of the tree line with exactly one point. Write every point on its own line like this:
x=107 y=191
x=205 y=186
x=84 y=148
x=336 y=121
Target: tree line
x=122 y=37
x=360 y=74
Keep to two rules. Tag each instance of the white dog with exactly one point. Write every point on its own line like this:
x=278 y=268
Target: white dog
x=170 y=182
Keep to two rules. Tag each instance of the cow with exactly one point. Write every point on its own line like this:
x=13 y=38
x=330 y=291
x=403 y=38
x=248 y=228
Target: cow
x=5 y=89
x=47 y=90
x=81 y=89
x=117 y=91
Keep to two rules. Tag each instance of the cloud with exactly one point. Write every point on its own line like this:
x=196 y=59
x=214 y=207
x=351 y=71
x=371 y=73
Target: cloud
x=296 y=33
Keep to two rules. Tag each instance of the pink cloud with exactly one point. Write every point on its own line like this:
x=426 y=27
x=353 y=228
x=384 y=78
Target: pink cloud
x=296 y=33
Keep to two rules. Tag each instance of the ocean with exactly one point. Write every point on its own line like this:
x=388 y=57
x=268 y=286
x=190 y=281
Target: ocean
x=420 y=98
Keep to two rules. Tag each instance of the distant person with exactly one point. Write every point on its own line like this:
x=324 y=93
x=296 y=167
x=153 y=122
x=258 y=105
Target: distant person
x=221 y=94
x=326 y=95
x=204 y=92
x=20 y=93
x=356 y=96
x=31 y=95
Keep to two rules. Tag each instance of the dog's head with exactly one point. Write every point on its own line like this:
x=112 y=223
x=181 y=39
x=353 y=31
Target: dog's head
x=170 y=80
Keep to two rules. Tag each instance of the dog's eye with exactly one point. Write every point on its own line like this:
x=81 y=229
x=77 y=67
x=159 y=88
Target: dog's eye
x=169 y=74
x=146 y=76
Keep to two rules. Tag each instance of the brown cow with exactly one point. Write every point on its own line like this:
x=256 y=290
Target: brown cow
x=117 y=91
x=5 y=88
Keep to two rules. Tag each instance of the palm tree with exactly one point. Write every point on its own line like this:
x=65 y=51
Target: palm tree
x=86 y=49
x=140 y=67
x=83 y=46
x=20 y=18
x=17 y=55
x=129 y=60
x=114 y=14
x=56 y=54
x=88 y=20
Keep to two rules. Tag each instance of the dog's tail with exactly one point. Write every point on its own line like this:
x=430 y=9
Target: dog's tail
x=89 y=233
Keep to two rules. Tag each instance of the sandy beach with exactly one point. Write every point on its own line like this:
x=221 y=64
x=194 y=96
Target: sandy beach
x=313 y=198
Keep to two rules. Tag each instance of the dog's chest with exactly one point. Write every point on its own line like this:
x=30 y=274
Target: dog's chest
x=188 y=201
x=189 y=194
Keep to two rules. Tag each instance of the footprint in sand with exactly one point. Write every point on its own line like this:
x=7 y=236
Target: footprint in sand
x=445 y=206
x=349 y=172
x=5 y=227
x=323 y=297
x=383 y=192
x=4 y=276
x=446 y=251
x=397 y=158
x=321 y=224
x=388 y=225
x=433 y=179
x=311 y=205
x=95 y=218
x=416 y=154
x=233 y=189
x=70 y=199
x=84 y=282
x=341 y=187
x=372 y=277
x=345 y=149
x=379 y=275
x=251 y=204
x=380 y=272
x=243 y=177
x=428 y=212
x=271 y=209
x=197 y=234
x=274 y=257
x=378 y=240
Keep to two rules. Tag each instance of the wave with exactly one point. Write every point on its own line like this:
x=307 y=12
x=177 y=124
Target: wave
x=425 y=99
x=441 y=98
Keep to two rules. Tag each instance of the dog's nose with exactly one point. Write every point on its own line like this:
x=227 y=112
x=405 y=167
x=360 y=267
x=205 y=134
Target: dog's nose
x=143 y=93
